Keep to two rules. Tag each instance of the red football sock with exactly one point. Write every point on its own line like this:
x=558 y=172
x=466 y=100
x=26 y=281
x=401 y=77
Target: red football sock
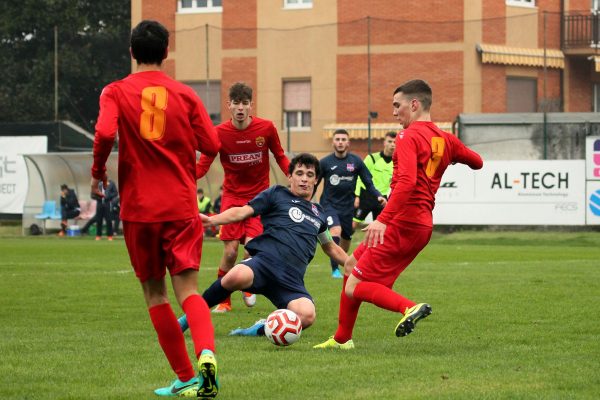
x=220 y=274
x=201 y=327
x=382 y=297
x=347 y=316
x=171 y=340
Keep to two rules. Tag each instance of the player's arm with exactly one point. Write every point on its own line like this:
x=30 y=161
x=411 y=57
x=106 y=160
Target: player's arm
x=368 y=161
x=367 y=178
x=106 y=132
x=464 y=155
x=228 y=216
x=203 y=165
x=278 y=153
x=207 y=140
x=331 y=249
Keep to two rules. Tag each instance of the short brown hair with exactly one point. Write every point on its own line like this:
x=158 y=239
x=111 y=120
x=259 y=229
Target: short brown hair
x=341 y=132
x=306 y=159
x=239 y=91
x=418 y=89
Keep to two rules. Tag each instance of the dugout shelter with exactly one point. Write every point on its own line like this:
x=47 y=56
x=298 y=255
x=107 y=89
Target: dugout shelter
x=47 y=172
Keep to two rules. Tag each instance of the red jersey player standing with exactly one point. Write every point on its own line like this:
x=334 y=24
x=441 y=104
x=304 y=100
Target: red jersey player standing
x=245 y=144
x=161 y=125
x=403 y=229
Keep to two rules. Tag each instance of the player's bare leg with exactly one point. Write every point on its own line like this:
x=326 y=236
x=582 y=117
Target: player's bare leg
x=305 y=309
x=345 y=244
x=238 y=278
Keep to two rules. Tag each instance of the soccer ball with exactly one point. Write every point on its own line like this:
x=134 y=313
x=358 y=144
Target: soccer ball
x=283 y=327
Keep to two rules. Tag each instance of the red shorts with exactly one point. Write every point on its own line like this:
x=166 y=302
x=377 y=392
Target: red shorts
x=249 y=228
x=157 y=246
x=382 y=264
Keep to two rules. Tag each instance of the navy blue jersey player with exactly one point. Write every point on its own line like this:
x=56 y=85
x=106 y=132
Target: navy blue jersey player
x=280 y=255
x=339 y=172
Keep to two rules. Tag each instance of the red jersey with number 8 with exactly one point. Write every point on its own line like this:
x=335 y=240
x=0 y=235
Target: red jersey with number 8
x=161 y=124
x=423 y=152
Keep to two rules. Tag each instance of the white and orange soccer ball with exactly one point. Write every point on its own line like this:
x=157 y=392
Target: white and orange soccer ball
x=283 y=327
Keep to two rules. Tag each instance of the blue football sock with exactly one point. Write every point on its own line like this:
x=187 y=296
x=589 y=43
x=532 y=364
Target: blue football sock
x=215 y=293
x=183 y=324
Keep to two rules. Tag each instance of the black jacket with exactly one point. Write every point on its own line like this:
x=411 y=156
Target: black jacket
x=69 y=201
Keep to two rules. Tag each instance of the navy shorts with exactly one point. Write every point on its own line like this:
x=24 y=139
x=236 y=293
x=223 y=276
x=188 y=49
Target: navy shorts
x=274 y=279
x=343 y=220
x=368 y=204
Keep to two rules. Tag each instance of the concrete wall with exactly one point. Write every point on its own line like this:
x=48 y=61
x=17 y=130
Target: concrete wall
x=521 y=136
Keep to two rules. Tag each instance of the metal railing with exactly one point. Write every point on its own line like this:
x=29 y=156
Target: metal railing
x=581 y=31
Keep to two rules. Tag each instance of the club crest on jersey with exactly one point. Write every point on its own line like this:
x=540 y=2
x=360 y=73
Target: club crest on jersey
x=296 y=214
x=350 y=167
x=260 y=141
x=315 y=210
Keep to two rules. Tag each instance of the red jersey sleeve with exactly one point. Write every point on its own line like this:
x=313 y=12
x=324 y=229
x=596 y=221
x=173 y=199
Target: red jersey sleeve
x=106 y=131
x=464 y=155
x=404 y=178
x=207 y=139
x=208 y=142
x=203 y=165
x=277 y=150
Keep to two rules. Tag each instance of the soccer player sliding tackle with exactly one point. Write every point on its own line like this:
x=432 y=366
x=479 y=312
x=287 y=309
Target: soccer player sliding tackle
x=280 y=255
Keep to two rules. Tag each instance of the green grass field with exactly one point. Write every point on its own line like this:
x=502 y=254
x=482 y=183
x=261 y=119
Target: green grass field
x=515 y=316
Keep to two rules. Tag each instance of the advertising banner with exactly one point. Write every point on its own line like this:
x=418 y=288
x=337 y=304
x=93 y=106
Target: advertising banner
x=537 y=192
x=592 y=157
x=593 y=203
x=13 y=171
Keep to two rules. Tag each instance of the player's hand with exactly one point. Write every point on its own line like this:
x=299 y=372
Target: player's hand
x=374 y=233
x=95 y=187
x=206 y=221
x=382 y=200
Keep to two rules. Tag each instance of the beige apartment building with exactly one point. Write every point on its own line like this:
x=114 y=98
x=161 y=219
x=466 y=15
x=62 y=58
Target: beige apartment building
x=317 y=65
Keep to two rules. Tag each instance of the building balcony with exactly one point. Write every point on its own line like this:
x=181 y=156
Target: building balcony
x=581 y=34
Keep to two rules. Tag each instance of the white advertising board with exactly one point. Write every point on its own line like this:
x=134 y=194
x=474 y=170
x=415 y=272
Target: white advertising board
x=592 y=157
x=513 y=193
x=593 y=203
x=13 y=171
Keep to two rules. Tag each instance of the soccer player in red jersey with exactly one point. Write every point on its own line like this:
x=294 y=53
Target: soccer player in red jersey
x=245 y=144
x=161 y=124
x=403 y=229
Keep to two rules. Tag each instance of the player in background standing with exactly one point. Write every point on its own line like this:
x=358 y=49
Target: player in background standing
x=245 y=144
x=161 y=125
x=403 y=229
x=381 y=167
x=339 y=172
